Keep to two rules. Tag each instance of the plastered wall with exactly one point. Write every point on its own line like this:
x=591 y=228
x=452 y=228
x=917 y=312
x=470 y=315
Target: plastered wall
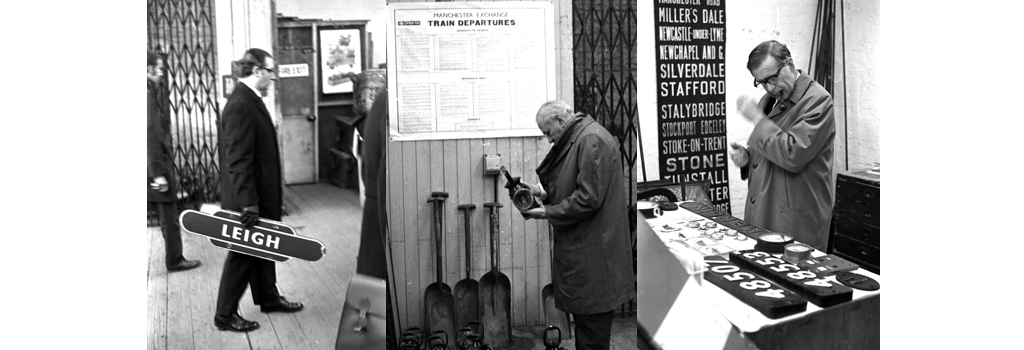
x=241 y=25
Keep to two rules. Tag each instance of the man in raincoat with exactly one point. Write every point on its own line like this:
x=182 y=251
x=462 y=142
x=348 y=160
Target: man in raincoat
x=788 y=158
x=585 y=201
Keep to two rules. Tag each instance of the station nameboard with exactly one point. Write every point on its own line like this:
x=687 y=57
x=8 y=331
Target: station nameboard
x=268 y=239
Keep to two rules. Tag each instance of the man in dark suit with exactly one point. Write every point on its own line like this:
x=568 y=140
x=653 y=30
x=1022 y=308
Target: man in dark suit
x=162 y=190
x=586 y=205
x=251 y=184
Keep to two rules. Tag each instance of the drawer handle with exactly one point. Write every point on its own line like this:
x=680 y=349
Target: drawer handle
x=864 y=252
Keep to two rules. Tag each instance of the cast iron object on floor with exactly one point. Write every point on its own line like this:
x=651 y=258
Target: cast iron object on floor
x=552 y=316
x=467 y=303
x=436 y=342
x=438 y=299
x=469 y=339
x=495 y=292
x=412 y=339
x=553 y=340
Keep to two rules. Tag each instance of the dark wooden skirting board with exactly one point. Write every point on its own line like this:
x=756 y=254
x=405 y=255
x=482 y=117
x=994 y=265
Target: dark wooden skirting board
x=773 y=301
x=807 y=284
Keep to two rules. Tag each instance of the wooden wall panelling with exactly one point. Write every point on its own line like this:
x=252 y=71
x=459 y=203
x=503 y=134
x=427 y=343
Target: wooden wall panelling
x=396 y=222
x=463 y=190
x=479 y=195
x=533 y=241
x=429 y=152
x=517 y=236
x=451 y=215
x=426 y=264
x=505 y=248
x=409 y=275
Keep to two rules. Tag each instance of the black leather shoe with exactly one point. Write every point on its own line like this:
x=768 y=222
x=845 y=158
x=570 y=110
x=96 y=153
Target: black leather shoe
x=185 y=264
x=234 y=323
x=280 y=305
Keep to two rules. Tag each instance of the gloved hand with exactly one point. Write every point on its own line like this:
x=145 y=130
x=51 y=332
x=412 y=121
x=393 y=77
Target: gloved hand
x=250 y=216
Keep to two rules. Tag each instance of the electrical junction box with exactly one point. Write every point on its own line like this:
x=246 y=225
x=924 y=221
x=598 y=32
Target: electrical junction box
x=492 y=164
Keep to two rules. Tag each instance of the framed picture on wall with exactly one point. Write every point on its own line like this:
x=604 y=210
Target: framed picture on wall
x=341 y=57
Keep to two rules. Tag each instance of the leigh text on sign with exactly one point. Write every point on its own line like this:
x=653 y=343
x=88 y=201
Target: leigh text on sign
x=243 y=235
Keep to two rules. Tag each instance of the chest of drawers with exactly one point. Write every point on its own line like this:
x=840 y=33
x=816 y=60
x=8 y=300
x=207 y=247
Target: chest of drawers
x=855 y=229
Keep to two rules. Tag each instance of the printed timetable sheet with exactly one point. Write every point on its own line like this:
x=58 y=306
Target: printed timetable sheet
x=469 y=70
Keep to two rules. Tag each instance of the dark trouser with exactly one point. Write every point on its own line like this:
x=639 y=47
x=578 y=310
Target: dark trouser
x=242 y=270
x=593 y=331
x=172 y=233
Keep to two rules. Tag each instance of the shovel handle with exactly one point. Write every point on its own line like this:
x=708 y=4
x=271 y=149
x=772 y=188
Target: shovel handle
x=495 y=234
x=468 y=211
x=437 y=202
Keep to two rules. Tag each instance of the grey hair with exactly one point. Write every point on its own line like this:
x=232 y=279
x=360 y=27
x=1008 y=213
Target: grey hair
x=555 y=109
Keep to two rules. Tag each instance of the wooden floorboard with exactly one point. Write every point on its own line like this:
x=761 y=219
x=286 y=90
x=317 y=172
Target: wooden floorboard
x=156 y=290
x=181 y=306
x=179 y=317
x=206 y=281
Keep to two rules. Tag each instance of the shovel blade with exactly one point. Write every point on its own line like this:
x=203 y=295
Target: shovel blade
x=440 y=311
x=553 y=316
x=467 y=303
x=495 y=315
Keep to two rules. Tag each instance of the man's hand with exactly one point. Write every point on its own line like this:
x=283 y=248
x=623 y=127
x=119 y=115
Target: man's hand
x=747 y=105
x=535 y=213
x=738 y=154
x=160 y=184
x=250 y=216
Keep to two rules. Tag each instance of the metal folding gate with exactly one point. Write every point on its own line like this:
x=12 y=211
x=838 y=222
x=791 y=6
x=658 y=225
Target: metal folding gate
x=604 y=79
x=183 y=32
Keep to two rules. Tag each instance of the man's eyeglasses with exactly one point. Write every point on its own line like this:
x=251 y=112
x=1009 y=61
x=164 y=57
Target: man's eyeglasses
x=269 y=69
x=770 y=79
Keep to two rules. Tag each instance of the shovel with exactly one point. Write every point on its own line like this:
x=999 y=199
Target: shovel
x=495 y=293
x=438 y=300
x=552 y=316
x=467 y=305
